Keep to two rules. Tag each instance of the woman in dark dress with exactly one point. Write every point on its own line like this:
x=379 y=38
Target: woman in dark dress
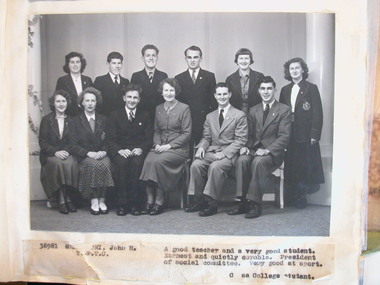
x=74 y=82
x=163 y=166
x=91 y=151
x=303 y=163
x=59 y=169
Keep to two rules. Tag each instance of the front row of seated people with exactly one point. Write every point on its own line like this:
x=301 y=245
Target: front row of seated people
x=150 y=157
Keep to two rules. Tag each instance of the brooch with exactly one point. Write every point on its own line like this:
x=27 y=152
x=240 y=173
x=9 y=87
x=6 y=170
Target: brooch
x=306 y=106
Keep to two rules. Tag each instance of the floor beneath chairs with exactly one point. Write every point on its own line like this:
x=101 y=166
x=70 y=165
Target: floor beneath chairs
x=312 y=221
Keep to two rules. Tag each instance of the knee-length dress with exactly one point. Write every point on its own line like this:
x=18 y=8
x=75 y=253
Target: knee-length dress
x=93 y=173
x=56 y=172
x=174 y=128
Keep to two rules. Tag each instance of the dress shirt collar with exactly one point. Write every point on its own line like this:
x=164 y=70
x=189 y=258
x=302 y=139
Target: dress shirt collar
x=270 y=104
x=89 y=116
x=225 y=110
x=128 y=111
x=147 y=71
x=196 y=72
x=113 y=77
x=244 y=73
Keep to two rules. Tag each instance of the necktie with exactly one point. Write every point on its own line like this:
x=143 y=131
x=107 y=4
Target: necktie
x=92 y=124
x=266 y=112
x=131 y=116
x=115 y=81
x=193 y=76
x=221 y=118
x=150 y=76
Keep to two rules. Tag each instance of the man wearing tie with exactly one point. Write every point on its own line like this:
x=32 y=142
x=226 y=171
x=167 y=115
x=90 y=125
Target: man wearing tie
x=111 y=85
x=130 y=136
x=149 y=78
x=225 y=133
x=197 y=88
x=269 y=134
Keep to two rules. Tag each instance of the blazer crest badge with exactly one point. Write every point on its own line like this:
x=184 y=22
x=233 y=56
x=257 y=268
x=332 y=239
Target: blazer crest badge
x=306 y=106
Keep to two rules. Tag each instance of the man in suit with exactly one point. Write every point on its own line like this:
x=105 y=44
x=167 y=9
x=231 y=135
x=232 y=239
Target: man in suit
x=269 y=133
x=225 y=133
x=197 y=88
x=130 y=137
x=149 y=78
x=244 y=82
x=111 y=85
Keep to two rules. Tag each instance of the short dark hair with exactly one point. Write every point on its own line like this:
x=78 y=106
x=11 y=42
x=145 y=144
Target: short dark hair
x=113 y=55
x=172 y=82
x=305 y=73
x=221 y=84
x=149 y=46
x=132 y=87
x=243 y=51
x=70 y=56
x=55 y=94
x=267 y=79
x=195 y=48
x=91 y=90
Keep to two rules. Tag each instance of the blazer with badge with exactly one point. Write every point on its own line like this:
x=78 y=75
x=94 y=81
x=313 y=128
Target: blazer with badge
x=308 y=114
x=199 y=97
x=234 y=85
x=274 y=134
x=112 y=93
x=150 y=97
x=230 y=137
x=49 y=138
x=66 y=83
x=84 y=139
x=123 y=134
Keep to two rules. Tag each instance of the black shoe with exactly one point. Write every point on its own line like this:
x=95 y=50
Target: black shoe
x=63 y=209
x=212 y=209
x=199 y=205
x=147 y=209
x=157 y=209
x=71 y=207
x=255 y=211
x=135 y=211
x=300 y=203
x=243 y=208
x=93 y=212
x=121 y=211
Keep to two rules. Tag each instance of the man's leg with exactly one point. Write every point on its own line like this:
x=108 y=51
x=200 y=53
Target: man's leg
x=261 y=167
x=243 y=178
x=198 y=178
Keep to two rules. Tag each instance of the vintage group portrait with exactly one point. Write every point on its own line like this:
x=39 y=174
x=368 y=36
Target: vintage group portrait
x=208 y=212
x=269 y=39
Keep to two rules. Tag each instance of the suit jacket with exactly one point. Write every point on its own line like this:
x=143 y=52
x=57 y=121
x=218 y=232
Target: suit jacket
x=66 y=83
x=230 y=137
x=49 y=139
x=308 y=114
x=150 y=97
x=123 y=134
x=84 y=139
x=112 y=94
x=274 y=134
x=234 y=85
x=199 y=97
x=173 y=129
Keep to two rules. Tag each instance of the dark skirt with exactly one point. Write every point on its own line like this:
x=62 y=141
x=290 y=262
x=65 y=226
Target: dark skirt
x=165 y=169
x=94 y=173
x=303 y=169
x=57 y=172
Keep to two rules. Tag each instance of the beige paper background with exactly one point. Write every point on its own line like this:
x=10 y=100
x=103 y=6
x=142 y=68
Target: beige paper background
x=349 y=129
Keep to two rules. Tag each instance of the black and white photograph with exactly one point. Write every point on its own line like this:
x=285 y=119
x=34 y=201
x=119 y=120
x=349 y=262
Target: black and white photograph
x=127 y=132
